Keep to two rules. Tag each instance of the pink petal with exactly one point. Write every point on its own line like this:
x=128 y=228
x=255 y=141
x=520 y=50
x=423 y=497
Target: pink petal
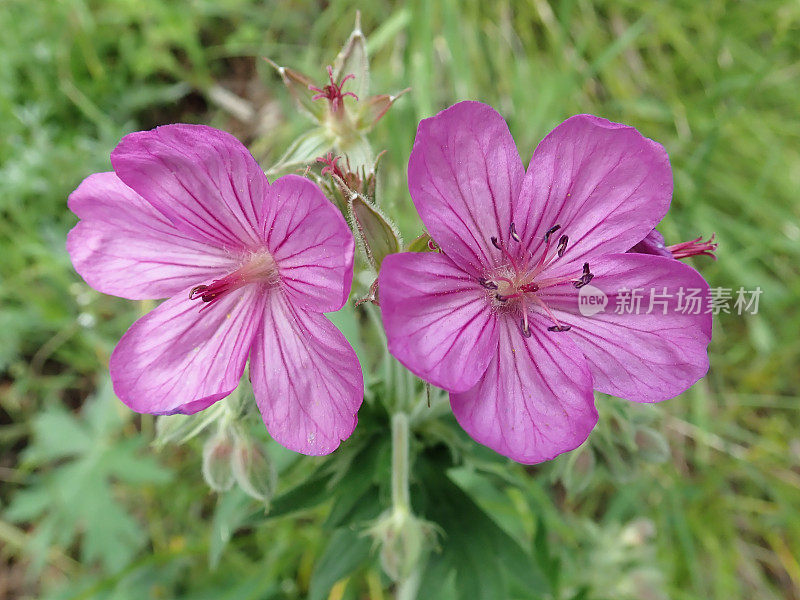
x=124 y=247
x=604 y=183
x=311 y=243
x=640 y=357
x=653 y=243
x=202 y=179
x=464 y=174
x=306 y=378
x=179 y=359
x=535 y=400
x=437 y=319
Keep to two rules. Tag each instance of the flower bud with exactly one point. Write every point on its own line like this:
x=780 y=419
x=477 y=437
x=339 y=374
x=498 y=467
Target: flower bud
x=217 y=454
x=404 y=540
x=378 y=235
x=253 y=468
x=652 y=445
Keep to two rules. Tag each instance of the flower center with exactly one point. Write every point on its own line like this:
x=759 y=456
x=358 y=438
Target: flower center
x=333 y=91
x=516 y=286
x=258 y=267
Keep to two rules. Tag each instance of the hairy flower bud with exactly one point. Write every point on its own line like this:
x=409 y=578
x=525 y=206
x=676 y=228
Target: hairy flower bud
x=378 y=235
x=404 y=540
x=217 y=454
x=253 y=468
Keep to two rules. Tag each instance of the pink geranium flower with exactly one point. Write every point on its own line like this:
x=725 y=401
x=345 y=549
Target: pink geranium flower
x=248 y=267
x=495 y=318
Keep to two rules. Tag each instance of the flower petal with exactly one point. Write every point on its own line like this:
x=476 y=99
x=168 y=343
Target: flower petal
x=641 y=357
x=464 y=174
x=124 y=247
x=306 y=378
x=202 y=179
x=653 y=243
x=437 y=319
x=311 y=243
x=179 y=359
x=604 y=183
x=535 y=400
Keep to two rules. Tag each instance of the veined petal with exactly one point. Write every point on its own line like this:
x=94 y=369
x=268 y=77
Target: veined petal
x=202 y=179
x=535 y=400
x=645 y=356
x=311 y=243
x=437 y=319
x=306 y=378
x=124 y=247
x=177 y=359
x=604 y=183
x=464 y=174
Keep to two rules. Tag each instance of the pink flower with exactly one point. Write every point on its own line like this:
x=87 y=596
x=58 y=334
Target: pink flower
x=248 y=267
x=495 y=318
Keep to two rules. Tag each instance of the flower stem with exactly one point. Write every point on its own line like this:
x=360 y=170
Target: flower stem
x=400 y=495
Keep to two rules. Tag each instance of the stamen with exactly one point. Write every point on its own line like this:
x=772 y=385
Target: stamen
x=513 y=233
x=586 y=277
x=196 y=291
x=550 y=232
x=524 y=326
x=562 y=245
x=559 y=328
x=489 y=285
x=499 y=245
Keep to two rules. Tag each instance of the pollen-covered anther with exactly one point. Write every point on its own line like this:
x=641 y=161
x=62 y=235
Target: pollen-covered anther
x=550 y=232
x=489 y=285
x=585 y=278
x=524 y=327
x=562 y=245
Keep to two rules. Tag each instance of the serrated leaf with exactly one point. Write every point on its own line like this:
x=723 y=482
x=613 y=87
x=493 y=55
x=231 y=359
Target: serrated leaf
x=57 y=434
x=482 y=555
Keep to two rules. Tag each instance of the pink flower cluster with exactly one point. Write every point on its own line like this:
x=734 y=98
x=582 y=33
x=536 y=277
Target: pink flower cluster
x=250 y=267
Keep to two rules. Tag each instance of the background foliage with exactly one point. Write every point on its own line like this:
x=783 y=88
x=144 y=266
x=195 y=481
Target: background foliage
x=694 y=498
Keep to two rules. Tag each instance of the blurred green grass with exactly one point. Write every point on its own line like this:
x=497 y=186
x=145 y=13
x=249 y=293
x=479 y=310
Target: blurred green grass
x=714 y=82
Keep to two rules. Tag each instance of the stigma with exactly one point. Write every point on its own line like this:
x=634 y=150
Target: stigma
x=515 y=287
x=333 y=91
x=256 y=268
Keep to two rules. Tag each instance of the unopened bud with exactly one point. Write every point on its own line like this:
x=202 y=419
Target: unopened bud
x=404 y=540
x=217 y=454
x=652 y=445
x=253 y=469
x=378 y=235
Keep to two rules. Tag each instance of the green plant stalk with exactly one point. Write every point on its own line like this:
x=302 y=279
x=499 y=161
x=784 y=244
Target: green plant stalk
x=408 y=586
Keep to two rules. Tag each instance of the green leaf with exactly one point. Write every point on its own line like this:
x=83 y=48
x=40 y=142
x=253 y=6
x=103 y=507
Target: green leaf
x=483 y=556
x=231 y=513
x=346 y=551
